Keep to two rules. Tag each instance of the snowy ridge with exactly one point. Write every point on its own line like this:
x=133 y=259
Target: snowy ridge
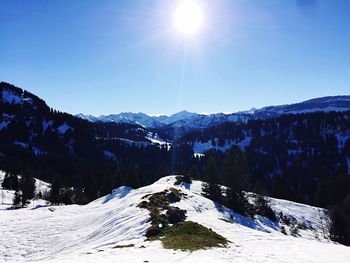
x=89 y=233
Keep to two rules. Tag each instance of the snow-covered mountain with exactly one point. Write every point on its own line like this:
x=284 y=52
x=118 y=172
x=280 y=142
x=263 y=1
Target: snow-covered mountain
x=113 y=229
x=182 y=119
x=131 y=118
x=325 y=104
x=189 y=120
x=182 y=115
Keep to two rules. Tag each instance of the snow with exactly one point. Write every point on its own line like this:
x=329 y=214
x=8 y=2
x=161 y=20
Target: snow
x=134 y=143
x=124 y=117
x=87 y=117
x=324 y=109
x=294 y=151
x=312 y=217
x=3 y=125
x=244 y=143
x=179 y=116
x=117 y=193
x=64 y=128
x=89 y=233
x=10 y=97
x=199 y=155
x=46 y=125
x=36 y=150
x=110 y=155
x=156 y=139
x=22 y=144
x=151 y=140
x=200 y=147
x=342 y=138
x=28 y=100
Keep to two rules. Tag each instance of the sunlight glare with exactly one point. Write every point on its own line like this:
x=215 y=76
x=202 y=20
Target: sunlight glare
x=188 y=17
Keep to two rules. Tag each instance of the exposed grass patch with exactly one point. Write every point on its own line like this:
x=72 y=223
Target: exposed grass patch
x=169 y=225
x=161 y=212
x=124 y=246
x=191 y=236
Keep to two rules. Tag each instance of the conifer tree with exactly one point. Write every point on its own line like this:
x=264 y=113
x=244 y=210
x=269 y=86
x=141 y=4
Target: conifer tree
x=210 y=188
x=10 y=182
x=340 y=226
x=133 y=177
x=193 y=172
x=55 y=197
x=236 y=176
x=27 y=185
x=17 y=200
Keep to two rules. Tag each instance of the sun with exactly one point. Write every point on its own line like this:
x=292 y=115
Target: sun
x=188 y=17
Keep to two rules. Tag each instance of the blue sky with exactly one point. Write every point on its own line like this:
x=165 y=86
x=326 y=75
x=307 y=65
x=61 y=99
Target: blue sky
x=101 y=57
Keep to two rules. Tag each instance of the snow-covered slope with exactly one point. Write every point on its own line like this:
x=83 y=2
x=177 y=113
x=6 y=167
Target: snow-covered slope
x=189 y=120
x=90 y=233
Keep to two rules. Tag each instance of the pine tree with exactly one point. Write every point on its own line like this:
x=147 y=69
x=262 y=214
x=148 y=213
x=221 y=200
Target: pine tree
x=210 y=188
x=340 y=226
x=55 y=197
x=193 y=172
x=10 y=182
x=107 y=184
x=17 y=200
x=235 y=170
x=133 y=177
x=27 y=185
x=79 y=196
x=262 y=207
x=236 y=177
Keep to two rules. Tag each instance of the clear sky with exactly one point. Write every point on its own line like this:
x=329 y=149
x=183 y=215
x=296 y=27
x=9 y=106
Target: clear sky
x=108 y=56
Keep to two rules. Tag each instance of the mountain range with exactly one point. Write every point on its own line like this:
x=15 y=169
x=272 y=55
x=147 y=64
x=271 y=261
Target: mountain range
x=190 y=120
